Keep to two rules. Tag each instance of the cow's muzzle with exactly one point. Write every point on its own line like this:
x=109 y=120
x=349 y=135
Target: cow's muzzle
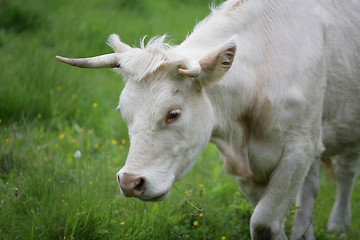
x=131 y=185
x=139 y=186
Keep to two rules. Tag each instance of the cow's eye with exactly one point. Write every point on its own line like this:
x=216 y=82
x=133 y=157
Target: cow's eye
x=173 y=115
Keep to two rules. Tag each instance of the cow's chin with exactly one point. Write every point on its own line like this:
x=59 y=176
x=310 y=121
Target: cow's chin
x=157 y=198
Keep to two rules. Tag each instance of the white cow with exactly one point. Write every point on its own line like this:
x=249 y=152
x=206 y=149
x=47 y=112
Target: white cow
x=270 y=83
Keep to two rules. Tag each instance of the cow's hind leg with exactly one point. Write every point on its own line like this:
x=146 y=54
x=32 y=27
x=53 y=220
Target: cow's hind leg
x=346 y=172
x=305 y=200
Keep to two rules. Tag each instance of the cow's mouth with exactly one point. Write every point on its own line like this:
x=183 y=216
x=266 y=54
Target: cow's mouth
x=157 y=198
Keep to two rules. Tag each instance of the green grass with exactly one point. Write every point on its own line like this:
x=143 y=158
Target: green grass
x=47 y=193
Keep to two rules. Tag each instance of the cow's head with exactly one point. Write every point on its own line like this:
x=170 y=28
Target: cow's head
x=169 y=116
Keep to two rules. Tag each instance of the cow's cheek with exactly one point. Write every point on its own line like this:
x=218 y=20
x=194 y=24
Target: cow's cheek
x=187 y=156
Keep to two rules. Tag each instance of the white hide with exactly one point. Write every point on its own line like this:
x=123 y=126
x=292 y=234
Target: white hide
x=271 y=83
x=264 y=114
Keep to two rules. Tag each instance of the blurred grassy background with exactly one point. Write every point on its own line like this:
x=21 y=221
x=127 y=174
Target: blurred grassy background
x=49 y=110
x=32 y=33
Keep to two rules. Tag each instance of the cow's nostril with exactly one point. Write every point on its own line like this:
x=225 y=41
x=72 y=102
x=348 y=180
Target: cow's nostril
x=140 y=186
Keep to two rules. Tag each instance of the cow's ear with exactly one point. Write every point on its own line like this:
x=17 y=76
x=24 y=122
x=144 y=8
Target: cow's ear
x=217 y=63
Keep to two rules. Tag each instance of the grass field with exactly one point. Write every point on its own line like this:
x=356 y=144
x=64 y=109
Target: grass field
x=50 y=113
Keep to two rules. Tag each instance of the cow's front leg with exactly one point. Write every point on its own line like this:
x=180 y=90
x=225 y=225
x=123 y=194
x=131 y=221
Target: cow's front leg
x=284 y=182
x=305 y=200
x=346 y=172
x=254 y=192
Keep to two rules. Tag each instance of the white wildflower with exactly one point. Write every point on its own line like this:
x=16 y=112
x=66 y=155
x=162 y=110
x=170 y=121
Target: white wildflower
x=77 y=154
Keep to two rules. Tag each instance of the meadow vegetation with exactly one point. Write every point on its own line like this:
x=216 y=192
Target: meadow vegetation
x=62 y=139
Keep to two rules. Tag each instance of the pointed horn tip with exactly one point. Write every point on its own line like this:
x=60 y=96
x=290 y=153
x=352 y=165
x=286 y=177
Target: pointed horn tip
x=62 y=59
x=72 y=61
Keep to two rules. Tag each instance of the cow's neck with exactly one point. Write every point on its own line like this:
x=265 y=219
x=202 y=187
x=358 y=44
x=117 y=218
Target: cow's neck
x=231 y=105
x=233 y=98
x=218 y=28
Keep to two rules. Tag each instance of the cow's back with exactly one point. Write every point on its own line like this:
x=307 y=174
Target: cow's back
x=341 y=112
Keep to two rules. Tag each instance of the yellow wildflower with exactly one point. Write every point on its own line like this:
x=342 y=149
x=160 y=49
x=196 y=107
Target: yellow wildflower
x=96 y=146
x=39 y=116
x=123 y=141
x=56 y=145
x=49 y=180
x=122 y=223
x=121 y=147
x=58 y=88
x=201 y=186
x=89 y=132
x=223 y=238
x=292 y=210
x=186 y=192
x=90 y=182
x=195 y=223
x=114 y=142
x=73 y=140
x=7 y=140
x=201 y=214
x=62 y=136
x=95 y=105
x=0 y=120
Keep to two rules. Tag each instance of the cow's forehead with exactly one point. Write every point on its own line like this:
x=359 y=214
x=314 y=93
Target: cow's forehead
x=138 y=64
x=155 y=92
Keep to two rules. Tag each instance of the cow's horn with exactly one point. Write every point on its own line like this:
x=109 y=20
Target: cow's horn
x=190 y=68
x=111 y=60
